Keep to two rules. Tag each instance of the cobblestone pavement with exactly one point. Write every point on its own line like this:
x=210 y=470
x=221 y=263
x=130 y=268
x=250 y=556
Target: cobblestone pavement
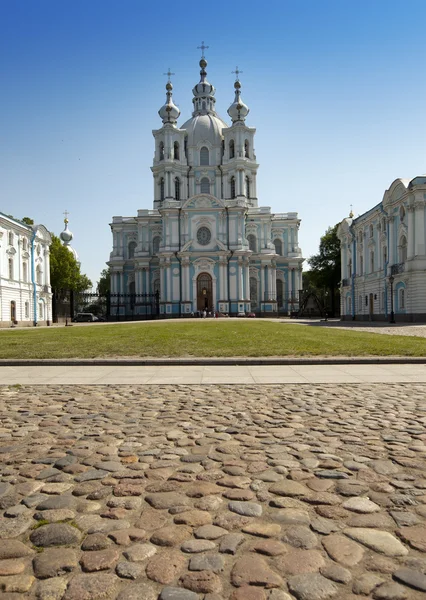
x=213 y=492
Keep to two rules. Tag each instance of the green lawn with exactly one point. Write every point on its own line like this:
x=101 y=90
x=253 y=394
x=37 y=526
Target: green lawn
x=202 y=338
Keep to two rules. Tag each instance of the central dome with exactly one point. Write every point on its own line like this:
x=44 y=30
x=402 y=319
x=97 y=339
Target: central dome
x=204 y=128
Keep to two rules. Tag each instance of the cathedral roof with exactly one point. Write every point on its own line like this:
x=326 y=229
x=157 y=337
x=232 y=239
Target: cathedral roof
x=204 y=128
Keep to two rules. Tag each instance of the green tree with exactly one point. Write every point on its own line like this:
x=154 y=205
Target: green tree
x=104 y=283
x=28 y=221
x=325 y=266
x=65 y=270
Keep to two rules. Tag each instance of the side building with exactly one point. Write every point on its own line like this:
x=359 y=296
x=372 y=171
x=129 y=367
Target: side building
x=206 y=244
x=383 y=255
x=25 y=293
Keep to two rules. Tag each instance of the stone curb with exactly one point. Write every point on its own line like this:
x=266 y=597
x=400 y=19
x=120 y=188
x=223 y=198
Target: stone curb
x=206 y=361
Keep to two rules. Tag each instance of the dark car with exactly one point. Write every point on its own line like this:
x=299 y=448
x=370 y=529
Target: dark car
x=85 y=318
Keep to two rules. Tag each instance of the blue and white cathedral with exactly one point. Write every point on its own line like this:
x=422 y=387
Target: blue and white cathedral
x=206 y=244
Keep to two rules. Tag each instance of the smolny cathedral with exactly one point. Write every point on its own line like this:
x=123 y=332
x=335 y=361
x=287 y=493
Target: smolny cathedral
x=206 y=243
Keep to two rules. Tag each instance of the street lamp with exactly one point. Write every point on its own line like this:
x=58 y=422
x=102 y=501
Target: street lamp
x=392 y=314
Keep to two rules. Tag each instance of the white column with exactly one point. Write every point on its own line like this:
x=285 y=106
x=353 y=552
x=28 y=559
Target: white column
x=410 y=241
x=169 y=282
x=274 y=282
x=290 y=284
x=247 y=272
x=391 y=253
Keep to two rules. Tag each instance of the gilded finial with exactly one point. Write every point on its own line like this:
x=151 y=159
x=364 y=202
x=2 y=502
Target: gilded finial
x=351 y=214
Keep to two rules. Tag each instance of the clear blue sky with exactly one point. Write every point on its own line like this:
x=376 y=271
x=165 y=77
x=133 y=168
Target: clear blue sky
x=336 y=88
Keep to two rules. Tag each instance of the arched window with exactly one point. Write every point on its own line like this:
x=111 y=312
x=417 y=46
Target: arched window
x=349 y=305
x=11 y=268
x=205 y=186
x=247 y=149
x=161 y=150
x=25 y=272
x=385 y=256
x=177 y=188
x=231 y=149
x=350 y=268
x=371 y=231
x=38 y=275
x=204 y=156
x=402 y=298
x=253 y=293
x=162 y=189
x=156 y=286
x=248 y=187
x=10 y=238
x=372 y=261
x=278 y=247
x=402 y=214
x=384 y=225
x=13 y=311
x=156 y=245
x=403 y=249
x=24 y=243
x=252 y=242
x=280 y=292
x=232 y=187
x=176 y=150
x=131 y=249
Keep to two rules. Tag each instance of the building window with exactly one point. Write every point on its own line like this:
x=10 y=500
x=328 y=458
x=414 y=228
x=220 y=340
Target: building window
x=350 y=268
x=25 y=272
x=280 y=292
x=156 y=286
x=176 y=150
x=13 y=311
x=204 y=156
x=204 y=236
x=360 y=237
x=371 y=231
x=38 y=275
x=252 y=242
x=385 y=256
x=27 y=310
x=403 y=249
x=232 y=187
x=253 y=293
x=11 y=268
x=161 y=150
x=131 y=249
x=349 y=305
x=24 y=243
x=402 y=298
x=231 y=149
x=384 y=225
x=40 y=311
x=177 y=188
x=156 y=245
x=247 y=149
x=162 y=189
x=360 y=303
x=248 y=195
x=205 y=186
x=402 y=214
x=278 y=247
x=372 y=261
x=10 y=238
x=383 y=301
x=361 y=265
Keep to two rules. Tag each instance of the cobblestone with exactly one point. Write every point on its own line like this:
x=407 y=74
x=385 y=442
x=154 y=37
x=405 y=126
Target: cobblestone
x=224 y=492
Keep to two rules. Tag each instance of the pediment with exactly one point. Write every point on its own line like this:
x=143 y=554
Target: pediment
x=203 y=202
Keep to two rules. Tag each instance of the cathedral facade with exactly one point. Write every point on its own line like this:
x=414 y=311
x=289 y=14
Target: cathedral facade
x=206 y=244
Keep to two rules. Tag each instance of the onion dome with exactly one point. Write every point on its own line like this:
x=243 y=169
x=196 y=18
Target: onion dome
x=169 y=113
x=66 y=236
x=204 y=92
x=238 y=110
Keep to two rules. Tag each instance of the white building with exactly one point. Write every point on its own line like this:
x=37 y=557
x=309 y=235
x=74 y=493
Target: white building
x=384 y=257
x=206 y=243
x=25 y=294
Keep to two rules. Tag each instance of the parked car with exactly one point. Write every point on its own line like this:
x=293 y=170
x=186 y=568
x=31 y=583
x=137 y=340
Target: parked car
x=85 y=318
x=251 y=315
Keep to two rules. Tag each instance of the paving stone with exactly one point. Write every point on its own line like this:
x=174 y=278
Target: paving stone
x=16 y=583
x=50 y=589
x=311 y=586
x=209 y=532
x=173 y=535
x=336 y=573
x=390 y=591
x=201 y=582
x=163 y=500
x=361 y=505
x=140 y=552
x=99 y=560
x=248 y=592
x=254 y=570
x=414 y=536
x=95 y=541
x=14 y=549
x=194 y=518
x=343 y=550
x=262 y=529
x=194 y=546
x=55 y=534
x=92 y=587
x=138 y=591
x=247 y=509
x=297 y=562
x=414 y=579
x=207 y=562
x=288 y=488
x=380 y=541
x=165 y=567
x=299 y=536
x=230 y=542
x=54 y=562
x=11 y=566
x=129 y=570
x=269 y=547
x=176 y=593
x=366 y=583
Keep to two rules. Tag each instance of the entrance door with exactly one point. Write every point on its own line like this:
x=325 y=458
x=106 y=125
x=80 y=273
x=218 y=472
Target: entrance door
x=371 y=306
x=204 y=292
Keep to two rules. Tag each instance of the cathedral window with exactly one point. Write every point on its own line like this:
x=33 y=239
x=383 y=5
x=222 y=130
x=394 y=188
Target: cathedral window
x=131 y=249
x=403 y=249
x=280 y=292
x=371 y=231
x=385 y=256
x=233 y=187
x=231 y=149
x=161 y=150
x=156 y=245
x=13 y=311
x=177 y=188
x=402 y=214
x=278 y=247
x=253 y=293
x=176 y=150
x=361 y=265
x=372 y=261
x=25 y=272
x=204 y=236
x=204 y=156
x=156 y=286
x=162 y=188
x=350 y=268
x=24 y=243
x=27 y=310
x=402 y=298
x=10 y=268
x=10 y=238
x=248 y=195
x=252 y=242
x=205 y=186
x=247 y=149
x=38 y=275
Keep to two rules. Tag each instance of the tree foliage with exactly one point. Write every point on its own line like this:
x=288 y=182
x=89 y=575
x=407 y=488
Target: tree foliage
x=325 y=266
x=104 y=283
x=65 y=270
